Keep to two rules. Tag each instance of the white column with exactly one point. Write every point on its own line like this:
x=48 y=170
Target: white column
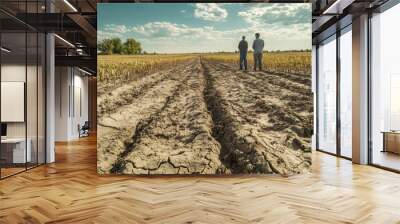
x=50 y=94
x=360 y=90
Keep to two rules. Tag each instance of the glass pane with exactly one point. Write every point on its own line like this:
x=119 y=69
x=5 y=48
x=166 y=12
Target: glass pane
x=385 y=89
x=13 y=87
x=31 y=98
x=327 y=96
x=41 y=99
x=346 y=94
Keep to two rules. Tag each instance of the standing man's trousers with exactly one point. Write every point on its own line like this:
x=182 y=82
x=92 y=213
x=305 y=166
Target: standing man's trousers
x=243 y=60
x=258 y=61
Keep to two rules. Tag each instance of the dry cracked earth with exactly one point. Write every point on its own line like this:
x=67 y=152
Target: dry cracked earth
x=205 y=117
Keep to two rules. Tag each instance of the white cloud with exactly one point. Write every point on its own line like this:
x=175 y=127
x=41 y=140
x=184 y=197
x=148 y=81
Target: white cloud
x=180 y=38
x=101 y=35
x=116 y=28
x=282 y=26
x=162 y=36
x=280 y=21
x=277 y=14
x=171 y=30
x=210 y=12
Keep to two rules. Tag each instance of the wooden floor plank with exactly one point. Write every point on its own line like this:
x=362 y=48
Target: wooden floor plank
x=70 y=191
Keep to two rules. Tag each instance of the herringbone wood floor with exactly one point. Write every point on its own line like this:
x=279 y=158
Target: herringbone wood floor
x=70 y=191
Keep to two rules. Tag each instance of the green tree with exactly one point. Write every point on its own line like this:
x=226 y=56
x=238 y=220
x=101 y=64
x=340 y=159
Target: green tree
x=106 y=46
x=117 y=46
x=110 y=46
x=131 y=46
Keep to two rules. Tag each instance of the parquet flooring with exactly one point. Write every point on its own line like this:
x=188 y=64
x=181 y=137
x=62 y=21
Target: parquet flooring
x=70 y=191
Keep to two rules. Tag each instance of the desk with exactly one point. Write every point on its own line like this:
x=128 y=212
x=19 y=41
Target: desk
x=391 y=141
x=15 y=148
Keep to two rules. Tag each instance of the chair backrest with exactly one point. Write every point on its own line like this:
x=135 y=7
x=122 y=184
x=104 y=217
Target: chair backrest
x=86 y=125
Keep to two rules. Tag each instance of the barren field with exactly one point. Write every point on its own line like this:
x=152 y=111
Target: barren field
x=205 y=117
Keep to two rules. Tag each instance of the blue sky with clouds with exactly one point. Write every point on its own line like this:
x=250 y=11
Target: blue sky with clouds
x=206 y=27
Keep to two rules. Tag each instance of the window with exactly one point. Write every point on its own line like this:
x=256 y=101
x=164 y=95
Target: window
x=385 y=89
x=327 y=95
x=346 y=92
x=22 y=77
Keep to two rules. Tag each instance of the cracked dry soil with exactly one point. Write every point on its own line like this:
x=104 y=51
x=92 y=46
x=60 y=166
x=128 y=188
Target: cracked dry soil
x=204 y=117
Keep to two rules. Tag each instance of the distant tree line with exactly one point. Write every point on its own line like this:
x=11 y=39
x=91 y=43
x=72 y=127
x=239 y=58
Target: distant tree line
x=115 y=46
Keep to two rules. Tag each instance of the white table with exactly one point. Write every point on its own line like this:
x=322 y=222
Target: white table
x=19 y=154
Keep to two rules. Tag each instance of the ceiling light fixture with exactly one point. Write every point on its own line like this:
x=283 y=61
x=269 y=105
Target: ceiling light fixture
x=5 y=50
x=64 y=40
x=70 y=5
x=337 y=7
x=86 y=72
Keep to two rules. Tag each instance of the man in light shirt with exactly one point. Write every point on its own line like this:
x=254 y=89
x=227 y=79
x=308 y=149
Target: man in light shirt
x=258 y=48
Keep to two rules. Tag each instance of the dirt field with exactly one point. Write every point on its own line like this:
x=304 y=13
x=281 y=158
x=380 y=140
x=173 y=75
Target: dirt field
x=204 y=117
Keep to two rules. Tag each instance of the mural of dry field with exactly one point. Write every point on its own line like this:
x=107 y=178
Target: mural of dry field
x=197 y=113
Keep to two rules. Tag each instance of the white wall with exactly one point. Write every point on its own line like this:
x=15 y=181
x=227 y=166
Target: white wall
x=33 y=126
x=62 y=82
x=81 y=82
x=14 y=72
x=69 y=82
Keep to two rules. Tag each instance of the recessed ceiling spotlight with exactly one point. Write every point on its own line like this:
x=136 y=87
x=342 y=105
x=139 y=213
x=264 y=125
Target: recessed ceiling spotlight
x=5 y=50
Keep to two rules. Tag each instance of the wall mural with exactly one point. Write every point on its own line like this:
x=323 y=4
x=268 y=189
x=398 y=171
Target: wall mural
x=204 y=88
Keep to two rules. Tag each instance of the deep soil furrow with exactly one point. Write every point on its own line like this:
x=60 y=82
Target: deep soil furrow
x=264 y=84
x=261 y=89
x=236 y=154
x=278 y=81
x=124 y=95
x=298 y=78
x=178 y=138
x=108 y=88
x=118 y=128
x=220 y=126
x=206 y=118
x=251 y=141
x=140 y=128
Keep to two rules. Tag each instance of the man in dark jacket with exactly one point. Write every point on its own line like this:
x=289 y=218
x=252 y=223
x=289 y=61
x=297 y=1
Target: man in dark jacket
x=243 y=53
